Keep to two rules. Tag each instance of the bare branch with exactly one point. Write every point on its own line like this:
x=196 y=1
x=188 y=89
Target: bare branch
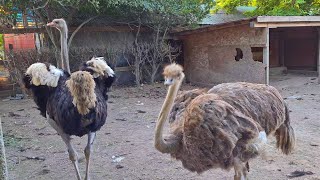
x=78 y=28
x=74 y=11
x=49 y=31
x=40 y=7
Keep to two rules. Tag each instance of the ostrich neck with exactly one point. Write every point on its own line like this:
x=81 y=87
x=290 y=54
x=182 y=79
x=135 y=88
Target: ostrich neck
x=64 y=50
x=160 y=144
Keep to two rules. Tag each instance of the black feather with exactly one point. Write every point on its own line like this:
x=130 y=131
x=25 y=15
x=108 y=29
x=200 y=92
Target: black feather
x=57 y=103
x=40 y=94
x=65 y=114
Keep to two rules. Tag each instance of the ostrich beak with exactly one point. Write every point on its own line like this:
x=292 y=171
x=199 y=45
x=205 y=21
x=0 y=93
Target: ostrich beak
x=168 y=81
x=51 y=24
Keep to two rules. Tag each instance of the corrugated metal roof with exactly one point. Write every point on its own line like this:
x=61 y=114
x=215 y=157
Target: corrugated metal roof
x=221 y=18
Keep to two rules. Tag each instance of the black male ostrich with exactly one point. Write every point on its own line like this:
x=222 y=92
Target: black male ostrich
x=74 y=105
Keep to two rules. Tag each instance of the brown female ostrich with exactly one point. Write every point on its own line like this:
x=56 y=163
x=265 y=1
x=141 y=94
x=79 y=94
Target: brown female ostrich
x=74 y=105
x=222 y=128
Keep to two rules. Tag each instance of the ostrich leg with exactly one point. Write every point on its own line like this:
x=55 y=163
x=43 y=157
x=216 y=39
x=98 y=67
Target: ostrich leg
x=87 y=152
x=240 y=170
x=67 y=140
x=72 y=153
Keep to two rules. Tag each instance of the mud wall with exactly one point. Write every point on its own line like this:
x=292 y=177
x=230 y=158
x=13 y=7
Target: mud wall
x=209 y=57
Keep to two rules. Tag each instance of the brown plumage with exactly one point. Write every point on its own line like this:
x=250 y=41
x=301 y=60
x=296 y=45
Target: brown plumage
x=224 y=127
x=265 y=105
x=82 y=88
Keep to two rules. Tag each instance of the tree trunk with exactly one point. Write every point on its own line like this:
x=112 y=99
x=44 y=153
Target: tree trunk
x=137 y=74
x=3 y=162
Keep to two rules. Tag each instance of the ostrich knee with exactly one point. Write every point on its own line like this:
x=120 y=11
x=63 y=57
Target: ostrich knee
x=240 y=170
x=73 y=156
x=87 y=152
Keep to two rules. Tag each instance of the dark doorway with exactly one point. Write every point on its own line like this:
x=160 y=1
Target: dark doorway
x=294 y=48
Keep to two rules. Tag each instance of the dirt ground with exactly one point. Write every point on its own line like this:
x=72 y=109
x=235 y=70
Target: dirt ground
x=124 y=146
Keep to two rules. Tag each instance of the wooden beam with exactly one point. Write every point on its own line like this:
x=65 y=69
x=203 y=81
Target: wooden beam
x=22 y=30
x=284 y=24
x=266 y=56
x=83 y=29
x=263 y=19
x=109 y=29
x=124 y=69
x=3 y=161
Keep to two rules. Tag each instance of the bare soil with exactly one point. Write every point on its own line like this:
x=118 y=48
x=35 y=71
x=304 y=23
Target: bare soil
x=35 y=151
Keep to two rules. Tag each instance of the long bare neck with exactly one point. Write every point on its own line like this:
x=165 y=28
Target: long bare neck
x=160 y=144
x=64 y=49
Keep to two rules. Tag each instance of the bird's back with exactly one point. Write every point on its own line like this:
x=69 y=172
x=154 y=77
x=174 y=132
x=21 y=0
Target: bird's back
x=261 y=102
x=213 y=133
x=61 y=109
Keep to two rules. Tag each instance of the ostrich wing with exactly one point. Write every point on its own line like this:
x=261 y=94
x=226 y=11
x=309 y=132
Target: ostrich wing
x=181 y=102
x=61 y=109
x=261 y=102
x=214 y=133
x=40 y=94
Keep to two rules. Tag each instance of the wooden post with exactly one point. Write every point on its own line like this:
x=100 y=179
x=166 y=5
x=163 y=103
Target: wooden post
x=282 y=63
x=266 y=56
x=3 y=162
x=318 y=69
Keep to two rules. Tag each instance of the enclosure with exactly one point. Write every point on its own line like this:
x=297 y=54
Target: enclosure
x=124 y=146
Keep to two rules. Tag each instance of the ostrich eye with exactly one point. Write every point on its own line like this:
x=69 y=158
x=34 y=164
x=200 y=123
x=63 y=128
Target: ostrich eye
x=57 y=22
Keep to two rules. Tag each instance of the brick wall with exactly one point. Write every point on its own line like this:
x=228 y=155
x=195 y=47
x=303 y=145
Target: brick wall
x=20 y=41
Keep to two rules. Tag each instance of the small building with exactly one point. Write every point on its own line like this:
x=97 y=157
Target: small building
x=19 y=41
x=244 y=49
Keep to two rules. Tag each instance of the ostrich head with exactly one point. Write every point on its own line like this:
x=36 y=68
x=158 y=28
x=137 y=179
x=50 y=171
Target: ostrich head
x=173 y=73
x=60 y=24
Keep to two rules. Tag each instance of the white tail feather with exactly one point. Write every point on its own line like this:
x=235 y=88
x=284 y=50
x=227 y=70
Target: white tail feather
x=260 y=143
x=41 y=76
x=100 y=67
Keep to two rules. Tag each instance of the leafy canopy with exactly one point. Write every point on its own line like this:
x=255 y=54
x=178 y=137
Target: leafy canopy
x=272 y=7
x=1 y=41
x=182 y=11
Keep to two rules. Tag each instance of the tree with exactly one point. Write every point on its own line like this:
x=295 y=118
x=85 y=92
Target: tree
x=1 y=41
x=161 y=15
x=272 y=7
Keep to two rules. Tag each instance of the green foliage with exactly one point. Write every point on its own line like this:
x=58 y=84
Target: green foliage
x=11 y=140
x=1 y=41
x=187 y=10
x=272 y=7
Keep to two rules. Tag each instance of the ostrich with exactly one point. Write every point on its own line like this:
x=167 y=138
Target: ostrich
x=224 y=127
x=74 y=105
x=61 y=25
x=63 y=63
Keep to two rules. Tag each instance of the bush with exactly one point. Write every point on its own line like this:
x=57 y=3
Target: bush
x=146 y=61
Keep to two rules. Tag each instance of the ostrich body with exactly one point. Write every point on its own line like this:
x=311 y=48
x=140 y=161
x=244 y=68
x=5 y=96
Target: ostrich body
x=74 y=105
x=224 y=127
